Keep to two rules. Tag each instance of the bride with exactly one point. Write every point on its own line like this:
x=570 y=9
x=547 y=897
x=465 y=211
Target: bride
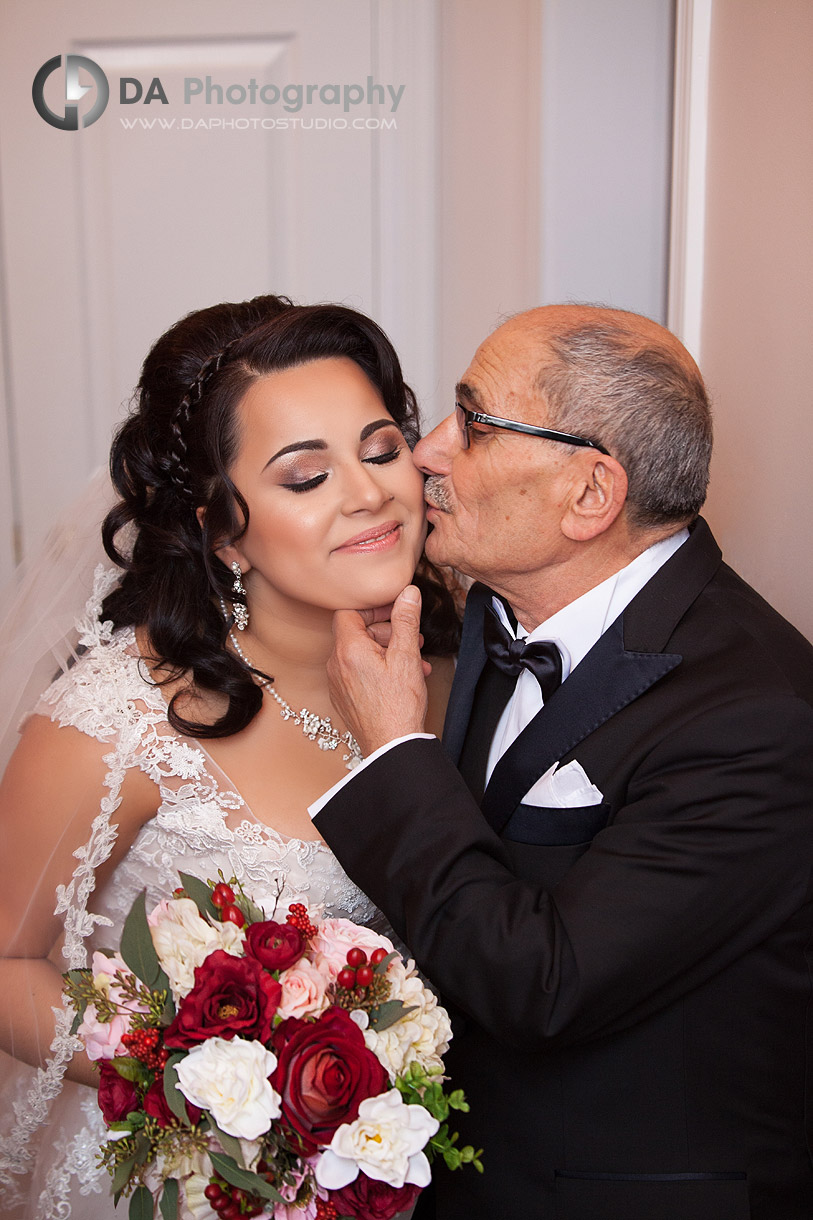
x=265 y=480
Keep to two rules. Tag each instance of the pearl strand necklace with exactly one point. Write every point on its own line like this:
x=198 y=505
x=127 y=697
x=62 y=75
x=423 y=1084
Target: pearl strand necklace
x=316 y=728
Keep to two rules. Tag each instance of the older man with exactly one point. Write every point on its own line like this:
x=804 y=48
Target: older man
x=614 y=889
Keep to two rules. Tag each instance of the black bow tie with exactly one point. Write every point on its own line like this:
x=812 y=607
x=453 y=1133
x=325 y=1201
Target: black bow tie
x=541 y=657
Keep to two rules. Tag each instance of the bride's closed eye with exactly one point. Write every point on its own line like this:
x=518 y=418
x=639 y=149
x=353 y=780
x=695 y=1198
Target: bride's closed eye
x=381 y=459
x=375 y=459
x=307 y=484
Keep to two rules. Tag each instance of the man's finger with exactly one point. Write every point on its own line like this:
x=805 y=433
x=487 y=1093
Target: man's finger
x=378 y=614
x=381 y=633
x=406 y=620
x=349 y=624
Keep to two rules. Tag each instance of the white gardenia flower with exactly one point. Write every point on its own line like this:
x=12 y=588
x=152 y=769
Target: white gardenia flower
x=229 y=1078
x=386 y=1142
x=422 y=1036
x=183 y=940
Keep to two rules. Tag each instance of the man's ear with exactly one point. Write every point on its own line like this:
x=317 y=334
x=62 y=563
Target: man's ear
x=226 y=554
x=597 y=497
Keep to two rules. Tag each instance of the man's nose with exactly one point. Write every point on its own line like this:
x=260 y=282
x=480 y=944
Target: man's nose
x=433 y=454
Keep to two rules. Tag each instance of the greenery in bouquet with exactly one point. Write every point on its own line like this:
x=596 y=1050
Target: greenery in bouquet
x=253 y=1068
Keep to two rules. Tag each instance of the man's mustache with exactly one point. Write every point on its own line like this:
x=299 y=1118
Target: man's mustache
x=436 y=493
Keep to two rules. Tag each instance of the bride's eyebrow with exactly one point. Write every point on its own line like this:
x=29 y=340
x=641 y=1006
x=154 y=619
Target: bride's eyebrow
x=366 y=431
x=369 y=429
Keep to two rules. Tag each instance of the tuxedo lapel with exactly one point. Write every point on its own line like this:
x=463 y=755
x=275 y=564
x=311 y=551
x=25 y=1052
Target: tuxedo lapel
x=625 y=662
x=607 y=680
x=470 y=664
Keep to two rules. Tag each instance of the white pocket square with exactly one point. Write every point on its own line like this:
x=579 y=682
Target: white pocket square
x=564 y=787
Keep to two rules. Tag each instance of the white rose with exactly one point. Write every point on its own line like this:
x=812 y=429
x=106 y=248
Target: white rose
x=230 y=1080
x=303 y=991
x=423 y=1035
x=183 y=940
x=386 y=1142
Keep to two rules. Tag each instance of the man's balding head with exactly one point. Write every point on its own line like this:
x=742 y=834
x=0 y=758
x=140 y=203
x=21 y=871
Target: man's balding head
x=629 y=383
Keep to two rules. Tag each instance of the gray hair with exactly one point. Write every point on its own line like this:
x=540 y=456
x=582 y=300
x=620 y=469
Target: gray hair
x=646 y=407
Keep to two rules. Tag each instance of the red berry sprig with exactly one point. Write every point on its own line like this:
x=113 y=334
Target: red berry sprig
x=222 y=895
x=298 y=918
x=143 y=1044
x=223 y=899
x=358 y=974
x=325 y=1210
x=230 y=1202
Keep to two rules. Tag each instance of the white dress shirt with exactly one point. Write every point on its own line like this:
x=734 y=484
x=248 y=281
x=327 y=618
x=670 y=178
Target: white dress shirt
x=574 y=629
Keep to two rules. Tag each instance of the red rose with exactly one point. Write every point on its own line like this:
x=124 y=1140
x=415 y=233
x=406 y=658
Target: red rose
x=371 y=1200
x=231 y=996
x=117 y=1096
x=324 y=1071
x=275 y=945
x=155 y=1103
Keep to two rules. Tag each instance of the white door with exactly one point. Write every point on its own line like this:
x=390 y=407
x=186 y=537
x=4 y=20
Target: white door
x=287 y=146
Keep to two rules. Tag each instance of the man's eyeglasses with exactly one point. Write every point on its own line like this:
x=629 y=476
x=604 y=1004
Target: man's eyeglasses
x=466 y=418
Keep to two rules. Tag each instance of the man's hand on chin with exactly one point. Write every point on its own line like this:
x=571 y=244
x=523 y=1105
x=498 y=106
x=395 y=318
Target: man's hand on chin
x=376 y=674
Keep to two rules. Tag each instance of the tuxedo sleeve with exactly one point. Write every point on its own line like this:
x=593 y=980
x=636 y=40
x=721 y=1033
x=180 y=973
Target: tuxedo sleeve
x=708 y=856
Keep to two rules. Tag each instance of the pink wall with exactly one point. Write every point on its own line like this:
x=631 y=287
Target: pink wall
x=757 y=337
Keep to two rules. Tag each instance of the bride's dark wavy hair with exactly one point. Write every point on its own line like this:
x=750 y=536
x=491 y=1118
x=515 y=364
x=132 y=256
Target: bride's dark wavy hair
x=172 y=457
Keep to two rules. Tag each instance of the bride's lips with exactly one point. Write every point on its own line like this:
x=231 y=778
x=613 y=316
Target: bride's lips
x=379 y=538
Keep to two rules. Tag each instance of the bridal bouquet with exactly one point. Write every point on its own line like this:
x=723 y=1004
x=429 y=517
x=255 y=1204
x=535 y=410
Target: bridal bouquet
x=254 y=1068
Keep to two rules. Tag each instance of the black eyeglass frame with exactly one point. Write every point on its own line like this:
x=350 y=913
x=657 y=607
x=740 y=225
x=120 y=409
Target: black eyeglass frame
x=465 y=418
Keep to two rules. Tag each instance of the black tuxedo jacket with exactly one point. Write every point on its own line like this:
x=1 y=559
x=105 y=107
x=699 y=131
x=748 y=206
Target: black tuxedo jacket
x=632 y=978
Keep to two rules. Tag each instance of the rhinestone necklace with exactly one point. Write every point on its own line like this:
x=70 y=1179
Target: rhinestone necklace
x=316 y=728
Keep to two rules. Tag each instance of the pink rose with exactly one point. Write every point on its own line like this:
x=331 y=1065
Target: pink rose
x=102 y=1039
x=303 y=991
x=335 y=936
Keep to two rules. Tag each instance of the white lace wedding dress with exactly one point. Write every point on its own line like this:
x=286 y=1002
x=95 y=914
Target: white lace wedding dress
x=202 y=824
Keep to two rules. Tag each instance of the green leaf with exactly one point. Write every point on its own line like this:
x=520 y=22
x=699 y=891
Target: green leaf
x=252 y=912
x=168 y=1011
x=388 y=1013
x=141 y=1204
x=137 y=948
x=251 y=1182
x=121 y=1174
x=130 y=1069
x=78 y=976
x=174 y=1097
x=143 y=1152
x=169 y=1200
x=229 y=1143
x=201 y=895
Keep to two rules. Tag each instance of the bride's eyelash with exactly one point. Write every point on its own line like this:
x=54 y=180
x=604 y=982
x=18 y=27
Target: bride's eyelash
x=307 y=485
x=380 y=459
